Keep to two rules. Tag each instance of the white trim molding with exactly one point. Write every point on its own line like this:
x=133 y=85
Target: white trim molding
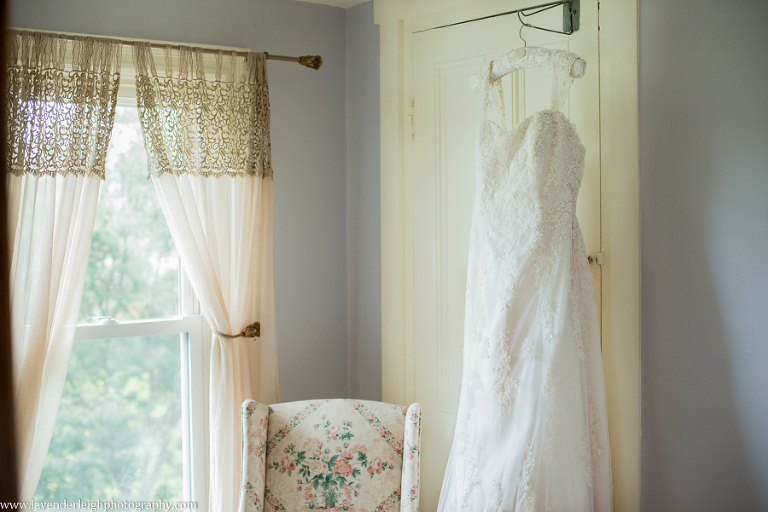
x=620 y=226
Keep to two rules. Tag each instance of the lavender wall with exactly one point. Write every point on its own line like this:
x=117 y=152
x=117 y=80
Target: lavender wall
x=704 y=238
x=363 y=203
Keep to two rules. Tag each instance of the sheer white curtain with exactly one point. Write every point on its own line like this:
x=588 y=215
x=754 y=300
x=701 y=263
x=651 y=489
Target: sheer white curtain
x=61 y=107
x=207 y=139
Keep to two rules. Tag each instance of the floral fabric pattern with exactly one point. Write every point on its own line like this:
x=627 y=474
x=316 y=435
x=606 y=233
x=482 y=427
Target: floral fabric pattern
x=411 y=460
x=255 y=421
x=340 y=455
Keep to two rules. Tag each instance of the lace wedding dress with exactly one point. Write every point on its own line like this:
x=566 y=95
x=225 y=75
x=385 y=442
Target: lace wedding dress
x=531 y=433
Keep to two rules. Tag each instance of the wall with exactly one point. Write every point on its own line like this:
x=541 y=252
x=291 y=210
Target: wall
x=309 y=141
x=704 y=235
x=363 y=203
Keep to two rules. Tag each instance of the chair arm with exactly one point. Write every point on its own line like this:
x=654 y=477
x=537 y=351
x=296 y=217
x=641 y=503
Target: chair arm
x=255 y=423
x=409 y=486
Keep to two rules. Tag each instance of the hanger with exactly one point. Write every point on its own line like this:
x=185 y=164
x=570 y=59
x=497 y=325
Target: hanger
x=530 y=57
x=522 y=24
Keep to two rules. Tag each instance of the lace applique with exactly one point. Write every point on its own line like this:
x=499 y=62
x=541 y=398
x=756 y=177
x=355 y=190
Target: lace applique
x=581 y=292
x=505 y=389
x=506 y=284
x=585 y=450
x=594 y=430
x=485 y=348
x=471 y=479
x=551 y=390
x=561 y=63
x=479 y=322
x=528 y=349
x=524 y=482
x=589 y=446
x=547 y=316
x=474 y=384
x=505 y=384
x=471 y=386
x=578 y=335
x=554 y=435
x=494 y=504
x=481 y=276
x=493 y=96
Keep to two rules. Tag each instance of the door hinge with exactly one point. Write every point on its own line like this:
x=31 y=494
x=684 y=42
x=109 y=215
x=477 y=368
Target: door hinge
x=412 y=116
x=598 y=16
x=596 y=259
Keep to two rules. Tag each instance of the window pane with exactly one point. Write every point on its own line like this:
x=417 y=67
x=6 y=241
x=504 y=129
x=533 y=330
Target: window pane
x=118 y=431
x=133 y=268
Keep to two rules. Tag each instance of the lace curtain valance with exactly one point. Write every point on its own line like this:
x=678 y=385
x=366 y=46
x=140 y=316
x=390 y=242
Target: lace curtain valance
x=61 y=99
x=62 y=92
x=199 y=124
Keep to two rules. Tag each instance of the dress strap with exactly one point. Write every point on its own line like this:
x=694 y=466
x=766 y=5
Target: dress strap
x=561 y=62
x=493 y=95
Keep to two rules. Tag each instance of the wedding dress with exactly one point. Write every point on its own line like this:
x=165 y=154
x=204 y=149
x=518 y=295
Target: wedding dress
x=531 y=432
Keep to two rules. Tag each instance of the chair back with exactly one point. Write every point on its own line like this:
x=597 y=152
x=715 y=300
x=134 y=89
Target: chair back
x=336 y=455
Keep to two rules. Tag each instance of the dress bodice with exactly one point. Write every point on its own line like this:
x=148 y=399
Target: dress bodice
x=528 y=178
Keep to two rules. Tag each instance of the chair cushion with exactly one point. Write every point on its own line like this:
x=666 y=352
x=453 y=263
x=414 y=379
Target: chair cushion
x=334 y=455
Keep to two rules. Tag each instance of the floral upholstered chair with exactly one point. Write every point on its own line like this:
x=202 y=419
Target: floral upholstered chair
x=334 y=455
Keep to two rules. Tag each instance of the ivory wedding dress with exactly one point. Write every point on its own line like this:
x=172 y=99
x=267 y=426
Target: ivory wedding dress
x=531 y=433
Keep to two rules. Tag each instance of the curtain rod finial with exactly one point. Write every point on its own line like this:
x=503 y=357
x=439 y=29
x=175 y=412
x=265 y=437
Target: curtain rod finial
x=311 y=61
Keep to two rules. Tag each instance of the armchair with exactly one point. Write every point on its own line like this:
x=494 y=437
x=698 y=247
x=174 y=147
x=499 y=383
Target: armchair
x=350 y=455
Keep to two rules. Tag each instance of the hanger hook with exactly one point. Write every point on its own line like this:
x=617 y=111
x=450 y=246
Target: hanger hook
x=522 y=24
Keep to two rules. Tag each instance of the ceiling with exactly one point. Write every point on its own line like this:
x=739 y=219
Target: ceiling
x=336 y=3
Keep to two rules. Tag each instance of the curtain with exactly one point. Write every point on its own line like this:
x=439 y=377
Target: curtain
x=61 y=105
x=207 y=139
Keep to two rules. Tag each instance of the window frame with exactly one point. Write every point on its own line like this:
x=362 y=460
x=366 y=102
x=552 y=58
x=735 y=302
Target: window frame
x=194 y=344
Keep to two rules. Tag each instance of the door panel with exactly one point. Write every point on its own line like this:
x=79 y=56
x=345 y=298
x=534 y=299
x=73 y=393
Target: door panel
x=442 y=184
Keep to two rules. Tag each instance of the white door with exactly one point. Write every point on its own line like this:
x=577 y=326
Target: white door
x=446 y=114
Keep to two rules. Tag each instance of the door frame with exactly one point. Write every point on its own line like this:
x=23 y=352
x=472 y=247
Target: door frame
x=620 y=225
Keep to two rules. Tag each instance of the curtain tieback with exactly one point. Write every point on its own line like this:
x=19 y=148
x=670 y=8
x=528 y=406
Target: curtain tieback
x=250 y=331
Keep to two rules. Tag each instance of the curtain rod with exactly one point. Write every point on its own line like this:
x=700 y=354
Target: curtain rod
x=310 y=61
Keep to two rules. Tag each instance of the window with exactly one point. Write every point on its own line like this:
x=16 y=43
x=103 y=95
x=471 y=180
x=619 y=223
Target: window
x=131 y=425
